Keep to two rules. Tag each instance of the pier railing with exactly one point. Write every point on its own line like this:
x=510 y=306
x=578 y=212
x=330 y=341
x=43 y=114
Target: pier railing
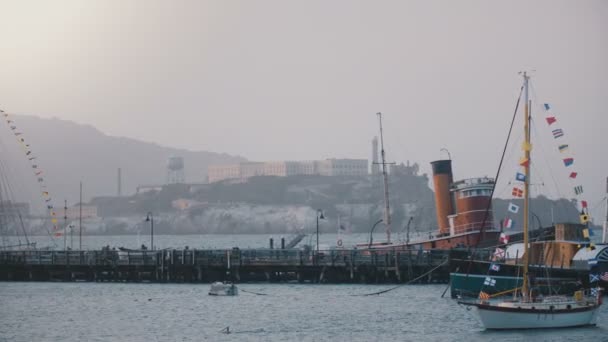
x=226 y=258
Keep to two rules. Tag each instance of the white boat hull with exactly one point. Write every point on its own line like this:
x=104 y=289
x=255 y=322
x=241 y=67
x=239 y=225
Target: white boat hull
x=495 y=319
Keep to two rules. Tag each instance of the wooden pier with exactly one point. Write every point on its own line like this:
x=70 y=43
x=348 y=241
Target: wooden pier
x=237 y=265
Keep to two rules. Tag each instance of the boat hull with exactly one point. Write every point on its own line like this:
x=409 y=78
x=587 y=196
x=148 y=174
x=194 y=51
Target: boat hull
x=496 y=319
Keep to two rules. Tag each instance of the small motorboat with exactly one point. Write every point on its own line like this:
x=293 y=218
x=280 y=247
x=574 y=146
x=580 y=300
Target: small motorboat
x=223 y=289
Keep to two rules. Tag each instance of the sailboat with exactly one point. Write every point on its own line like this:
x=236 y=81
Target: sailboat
x=527 y=310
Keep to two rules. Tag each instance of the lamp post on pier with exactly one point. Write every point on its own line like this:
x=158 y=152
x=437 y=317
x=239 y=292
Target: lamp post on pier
x=319 y=216
x=150 y=218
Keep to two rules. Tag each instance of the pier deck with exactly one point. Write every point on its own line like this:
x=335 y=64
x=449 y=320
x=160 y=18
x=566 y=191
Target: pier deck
x=238 y=265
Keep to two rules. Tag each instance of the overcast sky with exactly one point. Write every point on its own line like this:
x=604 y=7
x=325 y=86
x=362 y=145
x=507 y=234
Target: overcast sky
x=275 y=80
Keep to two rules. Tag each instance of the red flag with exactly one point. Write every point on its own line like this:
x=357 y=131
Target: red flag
x=550 y=119
x=573 y=174
x=58 y=234
x=584 y=204
x=517 y=192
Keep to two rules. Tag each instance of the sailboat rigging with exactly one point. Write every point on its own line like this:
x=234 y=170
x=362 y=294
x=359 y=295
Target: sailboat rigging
x=528 y=310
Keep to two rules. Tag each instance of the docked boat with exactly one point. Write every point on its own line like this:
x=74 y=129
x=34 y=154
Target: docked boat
x=463 y=208
x=527 y=309
x=223 y=289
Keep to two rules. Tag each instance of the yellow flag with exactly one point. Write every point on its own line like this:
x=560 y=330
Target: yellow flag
x=526 y=146
x=584 y=219
x=54 y=220
x=586 y=233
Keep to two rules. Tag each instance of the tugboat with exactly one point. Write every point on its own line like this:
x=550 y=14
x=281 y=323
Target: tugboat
x=223 y=289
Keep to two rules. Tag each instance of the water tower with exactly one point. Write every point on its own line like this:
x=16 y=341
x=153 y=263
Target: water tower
x=175 y=170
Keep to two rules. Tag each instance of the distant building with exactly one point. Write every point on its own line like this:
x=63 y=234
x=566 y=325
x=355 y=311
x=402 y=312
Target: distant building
x=9 y=208
x=73 y=213
x=329 y=167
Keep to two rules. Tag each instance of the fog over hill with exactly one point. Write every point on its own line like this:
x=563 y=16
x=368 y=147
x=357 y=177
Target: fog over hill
x=68 y=153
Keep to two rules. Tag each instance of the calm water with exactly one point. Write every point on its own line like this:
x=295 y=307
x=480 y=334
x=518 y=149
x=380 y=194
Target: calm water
x=169 y=312
x=290 y=312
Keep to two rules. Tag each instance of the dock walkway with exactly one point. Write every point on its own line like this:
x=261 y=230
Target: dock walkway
x=239 y=265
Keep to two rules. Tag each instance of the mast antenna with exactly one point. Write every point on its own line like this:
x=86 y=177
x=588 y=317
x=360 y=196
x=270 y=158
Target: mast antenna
x=387 y=207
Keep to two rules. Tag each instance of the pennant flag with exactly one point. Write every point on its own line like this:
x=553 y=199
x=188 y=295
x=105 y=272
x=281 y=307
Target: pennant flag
x=483 y=295
x=584 y=204
x=504 y=238
x=558 y=133
x=573 y=175
x=592 y=277
x=568 y=161
x=517 y=192
x=578 y=189
x=489 y=281
x=547 y=106
x=524 y=161
x=550 y=119
x=604 y=276
x=508 y=223
x=592 y=262
x=520 y=177
x=585 y=231
x=513 y=208
x=563 y=148
x=499 y=253
x=494 y=267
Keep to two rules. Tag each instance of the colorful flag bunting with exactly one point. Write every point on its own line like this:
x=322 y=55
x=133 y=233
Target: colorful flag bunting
x=517 y=192
x=513 y=208
x=573 y=175
x=585 y=232
x=592 y=262
x=550 y=119
x=483 y=295
x=558 y=133
x=547 y=106
x=508 y=223
x=584 y=204
x=594 y=277
x=568 y=161
x=595 y=291
x=520 y=177
x=526 y=146
x=504 y=238
x=578 y=189
x=524 y=161
x=584 y=219
x=494 y=267
x=604 y=276
x=563 y=148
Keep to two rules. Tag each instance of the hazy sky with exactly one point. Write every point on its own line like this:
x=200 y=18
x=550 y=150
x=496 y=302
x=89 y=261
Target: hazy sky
x=273 y=80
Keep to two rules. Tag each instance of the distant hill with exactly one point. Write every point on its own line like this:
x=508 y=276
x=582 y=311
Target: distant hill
x=68 y=152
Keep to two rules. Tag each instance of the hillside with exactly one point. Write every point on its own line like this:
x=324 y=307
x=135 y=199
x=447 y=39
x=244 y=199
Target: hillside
x=68 y=152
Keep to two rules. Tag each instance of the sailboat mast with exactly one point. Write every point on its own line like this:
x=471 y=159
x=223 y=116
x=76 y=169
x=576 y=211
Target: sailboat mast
x=527 y=148
x=387 y=209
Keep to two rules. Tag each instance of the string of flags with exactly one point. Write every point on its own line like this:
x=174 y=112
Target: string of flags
x=562 y=147
x=38 y=173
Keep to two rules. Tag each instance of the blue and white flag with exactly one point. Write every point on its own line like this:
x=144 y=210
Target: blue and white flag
x=520 y=177
x=489 y=281
x=594 y=277
x=547 y=107
x=592 y=262
x=513 y=208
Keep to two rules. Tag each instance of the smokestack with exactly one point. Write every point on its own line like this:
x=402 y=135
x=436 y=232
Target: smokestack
x=119 y=180
x=442 y=179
